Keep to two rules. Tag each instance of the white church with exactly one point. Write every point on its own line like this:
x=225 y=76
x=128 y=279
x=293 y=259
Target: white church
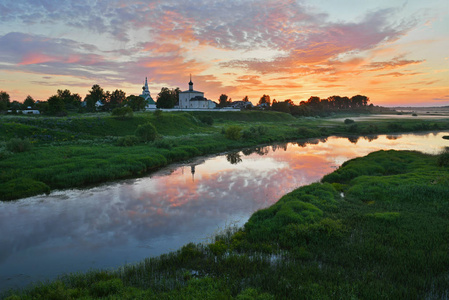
x=146 y=95
x=192 y=99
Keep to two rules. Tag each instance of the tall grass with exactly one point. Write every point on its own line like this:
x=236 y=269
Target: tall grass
x=315 y=243
x=84 y=149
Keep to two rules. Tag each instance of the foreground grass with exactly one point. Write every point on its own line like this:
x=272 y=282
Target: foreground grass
x=376 y=228
x=84 y=150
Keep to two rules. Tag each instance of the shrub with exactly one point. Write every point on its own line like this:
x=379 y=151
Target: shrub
x=443 y=159
x=414 y=114
x=22 y=187
x=234 y=133
x=208 y=120
x=122 y=112
x=18 y=145
x=163 y=144
x=127 y=141
x=349 y=121
x=146 y=132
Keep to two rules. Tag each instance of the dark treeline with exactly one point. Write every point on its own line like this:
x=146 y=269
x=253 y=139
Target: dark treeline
x=97 y=99
x=317 y=106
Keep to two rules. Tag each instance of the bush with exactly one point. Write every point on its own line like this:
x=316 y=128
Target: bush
x=349 y=121
x=443 y=159
x=414 y=114
x=146 y=132
x=208 y=120
x=163 y=144
x=18 y=145
x=233 y=133
x=127 y=141
x=122 y=112
x=22 y=187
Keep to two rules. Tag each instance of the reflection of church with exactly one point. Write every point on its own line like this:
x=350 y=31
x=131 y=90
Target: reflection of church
x=146 y=95
x=194 y=99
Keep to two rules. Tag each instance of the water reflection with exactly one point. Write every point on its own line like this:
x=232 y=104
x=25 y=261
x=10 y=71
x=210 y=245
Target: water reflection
x=124 y=222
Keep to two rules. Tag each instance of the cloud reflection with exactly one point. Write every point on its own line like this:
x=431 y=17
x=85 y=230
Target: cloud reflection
x=173 y=206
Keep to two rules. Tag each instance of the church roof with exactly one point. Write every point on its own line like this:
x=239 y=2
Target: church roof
x=191 y=91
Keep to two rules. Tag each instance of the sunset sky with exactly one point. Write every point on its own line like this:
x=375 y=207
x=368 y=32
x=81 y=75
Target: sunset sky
x=394 y=52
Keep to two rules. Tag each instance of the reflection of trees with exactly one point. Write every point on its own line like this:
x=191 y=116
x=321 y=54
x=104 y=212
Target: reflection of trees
x=392 y=137
x=262 y=150
x=353 y=139
x=258 y=150
x=279 y=146
x=371 y=138
x=302 y=144
x=323 y=139
x=233 y=158
x=248 y=151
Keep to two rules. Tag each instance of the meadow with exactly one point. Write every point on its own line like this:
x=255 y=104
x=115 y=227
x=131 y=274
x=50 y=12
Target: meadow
x=376 y=228
x=39 y=153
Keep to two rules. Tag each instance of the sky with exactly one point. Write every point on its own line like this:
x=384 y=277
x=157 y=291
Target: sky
x=396 y=52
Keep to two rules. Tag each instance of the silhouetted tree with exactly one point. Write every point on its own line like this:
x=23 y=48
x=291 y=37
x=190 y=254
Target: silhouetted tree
x=117 y=99
x=245 y=99
x=265 y=99
x=4 y=100
x=136 y=102
x=95 y=94
x=167 y=98
x=56 y=106
x=29 y=102
x=223 y=100
x=71 y=101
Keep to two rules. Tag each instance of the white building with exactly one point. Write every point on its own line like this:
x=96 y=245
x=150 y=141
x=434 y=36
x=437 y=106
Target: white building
x=146 y=95
x=194 y=99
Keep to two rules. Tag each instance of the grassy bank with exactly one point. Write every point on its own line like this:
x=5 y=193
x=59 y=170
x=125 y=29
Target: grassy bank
x=376 y=228
x=39 y=154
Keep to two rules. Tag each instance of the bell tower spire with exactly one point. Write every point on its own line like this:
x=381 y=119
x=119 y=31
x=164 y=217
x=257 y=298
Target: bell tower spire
x=190 y=83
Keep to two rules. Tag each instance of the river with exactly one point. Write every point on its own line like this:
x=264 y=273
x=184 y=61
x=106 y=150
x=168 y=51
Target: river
x=123 y=222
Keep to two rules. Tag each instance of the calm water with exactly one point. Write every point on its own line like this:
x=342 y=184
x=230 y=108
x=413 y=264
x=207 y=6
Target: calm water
x=126 y=221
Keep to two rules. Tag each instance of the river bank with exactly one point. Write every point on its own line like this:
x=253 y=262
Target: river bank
x=84 y=150
x=375 y=228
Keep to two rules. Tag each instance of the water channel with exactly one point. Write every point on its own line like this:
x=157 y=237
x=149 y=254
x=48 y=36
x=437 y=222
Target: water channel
x=123 y=222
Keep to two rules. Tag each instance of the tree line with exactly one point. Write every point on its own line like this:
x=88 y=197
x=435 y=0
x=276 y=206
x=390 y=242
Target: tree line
x=97 y=99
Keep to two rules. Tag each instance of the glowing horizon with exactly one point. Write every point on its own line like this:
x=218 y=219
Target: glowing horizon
x=394 y=52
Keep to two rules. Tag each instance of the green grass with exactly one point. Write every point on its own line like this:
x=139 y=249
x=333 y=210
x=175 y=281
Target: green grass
x=385 y=237
x=88 y=149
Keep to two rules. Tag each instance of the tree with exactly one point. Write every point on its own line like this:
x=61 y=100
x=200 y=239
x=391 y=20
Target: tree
x=136 y=102
x=117 y=99
x=4 y=100
x=246 y=99
x=122 y=112
x=29 y=102
x=167 y=98
x=56 y=105
x=265 y=99
x=71 y=101
x=146 y=132
x=95 y=94
x=359 y=101
x=223 y=100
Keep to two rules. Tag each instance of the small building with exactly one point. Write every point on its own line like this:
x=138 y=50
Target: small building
x=241 y=104
x=146 y=95
x=192 y=99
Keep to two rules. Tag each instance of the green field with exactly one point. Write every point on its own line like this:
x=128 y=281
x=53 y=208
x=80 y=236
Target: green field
x=39 y=153
x=376 y=228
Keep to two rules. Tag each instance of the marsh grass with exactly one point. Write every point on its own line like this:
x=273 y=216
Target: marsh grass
x=87 y=149
x=387 y=238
